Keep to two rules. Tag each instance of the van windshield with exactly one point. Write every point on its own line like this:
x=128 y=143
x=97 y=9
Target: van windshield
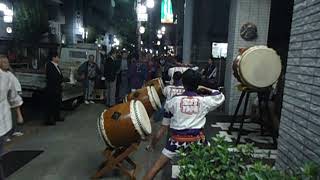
x=78 y=54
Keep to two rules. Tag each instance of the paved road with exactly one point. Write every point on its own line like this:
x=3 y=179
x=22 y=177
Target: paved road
x=72 y=149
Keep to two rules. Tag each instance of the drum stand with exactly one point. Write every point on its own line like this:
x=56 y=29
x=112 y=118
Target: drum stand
x=114 y=159
x=246 y=92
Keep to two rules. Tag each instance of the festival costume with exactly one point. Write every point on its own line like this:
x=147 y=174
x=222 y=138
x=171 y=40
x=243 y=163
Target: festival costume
x=187 y=118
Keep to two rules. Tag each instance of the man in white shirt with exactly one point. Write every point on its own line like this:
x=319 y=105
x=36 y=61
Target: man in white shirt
x=9 y=98
x=187 y=118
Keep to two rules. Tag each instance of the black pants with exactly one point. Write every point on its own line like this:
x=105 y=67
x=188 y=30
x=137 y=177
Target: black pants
x=54 y=102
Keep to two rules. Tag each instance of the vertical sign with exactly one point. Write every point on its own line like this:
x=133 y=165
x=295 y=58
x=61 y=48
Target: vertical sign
x=166 y=12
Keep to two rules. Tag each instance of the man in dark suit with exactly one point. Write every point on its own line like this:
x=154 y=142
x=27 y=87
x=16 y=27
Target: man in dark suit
x=53 y=89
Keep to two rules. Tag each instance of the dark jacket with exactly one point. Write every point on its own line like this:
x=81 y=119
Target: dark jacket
x=83 y=70
x=54 y=79
x=111 y=68
x=208 y=70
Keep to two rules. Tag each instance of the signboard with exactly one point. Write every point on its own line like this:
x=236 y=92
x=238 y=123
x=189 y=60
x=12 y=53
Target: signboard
x=166 y=12
x=143 y=17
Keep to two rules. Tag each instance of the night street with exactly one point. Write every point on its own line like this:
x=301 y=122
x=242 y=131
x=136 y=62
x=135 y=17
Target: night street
x=160 y=89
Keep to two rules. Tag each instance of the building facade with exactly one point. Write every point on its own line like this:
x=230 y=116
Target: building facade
x=299 y=140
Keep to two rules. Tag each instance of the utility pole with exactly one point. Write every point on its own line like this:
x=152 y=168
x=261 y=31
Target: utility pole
x=138 y=32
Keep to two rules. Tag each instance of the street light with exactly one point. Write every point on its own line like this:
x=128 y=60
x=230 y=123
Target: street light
x=9 y=30
x=150 y=4
x=163 y=29
x=142 y=29
x=159 y=36
x=158 y=43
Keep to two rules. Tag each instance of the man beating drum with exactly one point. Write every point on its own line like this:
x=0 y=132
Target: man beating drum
x=169 y=92
x=187 y=112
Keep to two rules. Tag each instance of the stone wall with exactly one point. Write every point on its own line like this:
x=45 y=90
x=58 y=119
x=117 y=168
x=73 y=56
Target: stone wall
x=299 y=139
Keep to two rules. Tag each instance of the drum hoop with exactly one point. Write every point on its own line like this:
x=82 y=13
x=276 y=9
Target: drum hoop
x=156 y=97
x=102 y=131
x=151 y=98
x=161 y=83
x=136 y=121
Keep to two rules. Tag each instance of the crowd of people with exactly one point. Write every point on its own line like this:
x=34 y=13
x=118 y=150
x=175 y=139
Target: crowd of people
x=122 y=73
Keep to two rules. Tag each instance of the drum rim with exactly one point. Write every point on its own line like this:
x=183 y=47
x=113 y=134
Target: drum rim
x=102 y=130
x=161 y=83
x=154 y=98
x=135 y=117
x=244 y=54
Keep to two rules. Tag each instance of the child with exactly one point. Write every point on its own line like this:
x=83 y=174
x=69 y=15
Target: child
x=169 y=92
x=187 y=112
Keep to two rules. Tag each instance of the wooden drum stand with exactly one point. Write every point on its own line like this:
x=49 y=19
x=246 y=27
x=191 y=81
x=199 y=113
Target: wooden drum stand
x=262 y=97
x=114 y=160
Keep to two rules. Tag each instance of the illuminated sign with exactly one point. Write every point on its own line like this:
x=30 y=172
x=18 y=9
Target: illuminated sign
x=166 y=11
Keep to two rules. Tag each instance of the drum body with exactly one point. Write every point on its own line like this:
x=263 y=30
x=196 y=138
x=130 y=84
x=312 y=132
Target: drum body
x=257 y=67
x=124 y=124
x=158 y=85
x=149 y=98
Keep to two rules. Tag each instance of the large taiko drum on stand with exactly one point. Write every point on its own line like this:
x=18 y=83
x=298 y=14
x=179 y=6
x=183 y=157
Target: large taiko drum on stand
x=149 y=98
x=124 y=124
x=158 y=85
x=257 y=67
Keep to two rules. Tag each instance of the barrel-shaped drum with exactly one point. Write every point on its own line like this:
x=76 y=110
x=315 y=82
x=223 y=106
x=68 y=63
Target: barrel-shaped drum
x=158 y=85
x=124 y=124
x=149 y=98
x=257 y=67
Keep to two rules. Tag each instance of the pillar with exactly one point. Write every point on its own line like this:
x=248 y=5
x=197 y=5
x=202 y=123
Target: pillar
x=241 y=12
x=187 y=34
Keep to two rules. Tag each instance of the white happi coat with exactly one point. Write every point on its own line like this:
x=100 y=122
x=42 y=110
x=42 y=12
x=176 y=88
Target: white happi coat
x=189 y=110
x=9 y=98
x=172 y=70
x=171 y=90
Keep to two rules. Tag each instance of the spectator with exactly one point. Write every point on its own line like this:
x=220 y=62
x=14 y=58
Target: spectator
x=9 y=98
x=137 y=73
x=111 y=67
x=123 y=76
x=88 y=72
x=209 y=75
x=210 y=71
x=5 y=67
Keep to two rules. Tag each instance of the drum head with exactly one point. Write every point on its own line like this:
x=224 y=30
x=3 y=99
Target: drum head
x=154 y=98
x=260 y=66
x=140 y=119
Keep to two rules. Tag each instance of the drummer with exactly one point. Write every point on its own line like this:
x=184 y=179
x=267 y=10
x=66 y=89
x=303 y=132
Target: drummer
x=187 y=112
x=169 y=92
x=181 y=69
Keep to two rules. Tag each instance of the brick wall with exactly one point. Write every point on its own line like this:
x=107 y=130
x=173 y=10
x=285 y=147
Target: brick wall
x=241 y=12
x=299 y=139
